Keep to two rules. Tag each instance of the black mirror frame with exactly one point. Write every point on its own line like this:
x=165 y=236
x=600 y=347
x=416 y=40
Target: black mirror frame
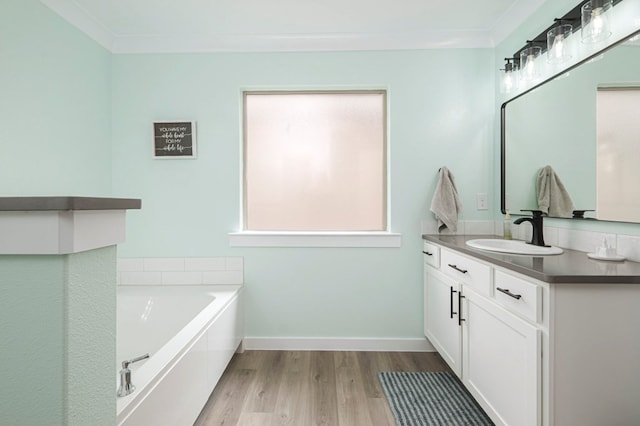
x=503 y=145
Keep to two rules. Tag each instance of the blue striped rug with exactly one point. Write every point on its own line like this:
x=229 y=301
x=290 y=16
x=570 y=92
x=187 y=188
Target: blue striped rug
x=430 y=399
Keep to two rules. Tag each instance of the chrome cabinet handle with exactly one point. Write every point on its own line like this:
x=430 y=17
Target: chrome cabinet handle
x=508 y=293
x=427 y=253
x=464 y=271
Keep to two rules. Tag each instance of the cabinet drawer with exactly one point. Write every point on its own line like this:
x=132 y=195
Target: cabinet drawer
x=468 y=271
x=431 y=254
x=518 y=295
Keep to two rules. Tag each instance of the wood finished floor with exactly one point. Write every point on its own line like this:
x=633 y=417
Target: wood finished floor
x=305 y=388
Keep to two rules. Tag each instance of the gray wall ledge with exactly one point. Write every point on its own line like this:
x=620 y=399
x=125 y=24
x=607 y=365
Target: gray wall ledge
x=67 y=203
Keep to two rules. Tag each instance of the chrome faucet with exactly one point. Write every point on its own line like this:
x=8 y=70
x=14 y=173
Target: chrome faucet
x=126 y=386
x=537 y=239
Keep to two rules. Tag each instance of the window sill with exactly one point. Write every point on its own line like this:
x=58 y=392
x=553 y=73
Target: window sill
x=314 y=239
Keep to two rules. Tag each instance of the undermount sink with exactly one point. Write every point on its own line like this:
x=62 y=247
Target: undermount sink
x=513 y=247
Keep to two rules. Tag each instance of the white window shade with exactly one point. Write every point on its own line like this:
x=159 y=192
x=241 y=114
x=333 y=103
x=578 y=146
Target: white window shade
x=315 y=161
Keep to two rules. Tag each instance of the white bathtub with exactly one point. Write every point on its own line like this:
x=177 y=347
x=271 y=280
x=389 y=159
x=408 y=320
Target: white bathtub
x=191 y=333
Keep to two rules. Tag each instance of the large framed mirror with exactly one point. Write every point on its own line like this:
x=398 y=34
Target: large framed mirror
x=585 y=125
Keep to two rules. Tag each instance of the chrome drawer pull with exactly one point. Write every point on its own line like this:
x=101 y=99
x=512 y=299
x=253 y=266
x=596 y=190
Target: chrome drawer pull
x=427 y=253
x=508 y=293
x=464 y=271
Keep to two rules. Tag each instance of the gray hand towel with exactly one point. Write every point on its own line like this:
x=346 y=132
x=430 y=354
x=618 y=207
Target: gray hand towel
x=445 y=203
x=553 y=197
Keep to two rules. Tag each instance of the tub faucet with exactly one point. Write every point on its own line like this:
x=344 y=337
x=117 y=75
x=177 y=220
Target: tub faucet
x=126 y=387
x=537 y=239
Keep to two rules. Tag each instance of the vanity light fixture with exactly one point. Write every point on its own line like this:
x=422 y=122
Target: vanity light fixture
x=509 y=79
x=528 y=67
x=557 y=49
x=590 y=16
x=595 y=21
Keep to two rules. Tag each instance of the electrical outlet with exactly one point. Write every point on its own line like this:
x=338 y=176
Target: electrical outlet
x=482 y=202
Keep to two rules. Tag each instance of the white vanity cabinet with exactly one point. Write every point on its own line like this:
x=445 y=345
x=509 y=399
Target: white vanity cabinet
x=501 y=361
x=495 y=352
x=441 y=316
x=559 y=352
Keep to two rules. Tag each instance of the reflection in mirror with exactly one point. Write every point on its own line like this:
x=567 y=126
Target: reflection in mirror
x=585 y=125
x=618 y=153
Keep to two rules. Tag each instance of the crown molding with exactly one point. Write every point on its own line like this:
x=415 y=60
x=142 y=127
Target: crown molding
x=199 y=43
x=301 y=42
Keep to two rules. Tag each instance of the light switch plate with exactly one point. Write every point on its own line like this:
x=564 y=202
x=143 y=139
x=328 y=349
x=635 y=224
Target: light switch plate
x=482 y=202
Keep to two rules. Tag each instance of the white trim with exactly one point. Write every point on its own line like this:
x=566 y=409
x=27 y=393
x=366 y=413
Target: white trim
x=338 y=344
x=314 y=239
x=301 y=42
x=60 y=232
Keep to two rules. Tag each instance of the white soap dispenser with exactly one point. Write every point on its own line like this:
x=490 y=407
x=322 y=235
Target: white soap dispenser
x=507 y=226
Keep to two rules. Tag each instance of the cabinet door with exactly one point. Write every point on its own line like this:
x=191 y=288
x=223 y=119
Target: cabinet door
x=441 y=316
x=502 y=361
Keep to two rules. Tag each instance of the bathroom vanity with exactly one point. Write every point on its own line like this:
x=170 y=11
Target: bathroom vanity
x=547 y=340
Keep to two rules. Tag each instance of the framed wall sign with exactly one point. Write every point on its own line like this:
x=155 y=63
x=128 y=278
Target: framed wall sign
x=174 y=139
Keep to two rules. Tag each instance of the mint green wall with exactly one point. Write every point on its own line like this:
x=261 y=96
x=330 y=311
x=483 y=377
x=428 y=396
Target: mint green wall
x=55 y=99
x=441 y=112
x=32 y=355
x=90 y=337
x=58 y=339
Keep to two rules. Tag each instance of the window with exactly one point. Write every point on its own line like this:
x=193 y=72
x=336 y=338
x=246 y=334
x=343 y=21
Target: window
x=315 y=161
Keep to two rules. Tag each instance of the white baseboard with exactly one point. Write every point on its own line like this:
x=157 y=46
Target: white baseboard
x=338 y=344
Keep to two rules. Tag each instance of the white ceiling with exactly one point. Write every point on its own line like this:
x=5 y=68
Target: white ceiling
x=128 y=26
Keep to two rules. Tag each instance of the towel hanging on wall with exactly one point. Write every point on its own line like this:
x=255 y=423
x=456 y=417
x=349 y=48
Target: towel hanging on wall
x=553 y=197
x=445 y=203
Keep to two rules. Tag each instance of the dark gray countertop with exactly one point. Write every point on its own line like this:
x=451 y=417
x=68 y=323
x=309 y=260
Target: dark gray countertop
x=67 y=203
x=569 y=267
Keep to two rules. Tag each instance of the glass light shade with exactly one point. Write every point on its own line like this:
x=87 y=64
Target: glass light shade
x=528 y=67
x=557 y=49
x=510 y=79
x=595 y=21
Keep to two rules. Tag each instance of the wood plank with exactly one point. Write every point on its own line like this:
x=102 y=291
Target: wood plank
x=248 y=360
x=225 y=404
x=352 y=401
x=263 y=392
x=289 y=409
x=370 y=365
x=254 y=419
x=380 y=412
x=322 y=390
x=416 y=361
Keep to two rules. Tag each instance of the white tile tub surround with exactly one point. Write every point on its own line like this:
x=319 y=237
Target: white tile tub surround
x=181 y=271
